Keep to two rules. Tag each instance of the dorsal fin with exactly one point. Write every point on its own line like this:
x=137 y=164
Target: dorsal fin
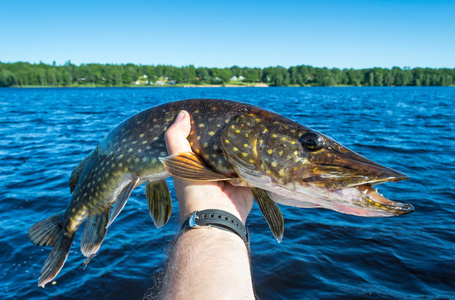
x=77 y=172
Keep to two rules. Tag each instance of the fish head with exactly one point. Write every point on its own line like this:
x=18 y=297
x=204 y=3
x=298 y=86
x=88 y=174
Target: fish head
x=305 y=168
x=331 y=165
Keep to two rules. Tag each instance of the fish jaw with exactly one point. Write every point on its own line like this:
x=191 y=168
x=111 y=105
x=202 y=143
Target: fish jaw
x=366 y=201
x=345 y=181
x=361 y=200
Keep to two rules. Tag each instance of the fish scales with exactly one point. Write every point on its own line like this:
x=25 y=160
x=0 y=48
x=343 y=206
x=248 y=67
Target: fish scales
x=281 y=160
x=130 y=149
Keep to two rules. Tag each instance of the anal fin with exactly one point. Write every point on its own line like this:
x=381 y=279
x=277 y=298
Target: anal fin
x=121 y=200
x=271 y=212
x=159 y=201
x=94 y=233
x=189 y=165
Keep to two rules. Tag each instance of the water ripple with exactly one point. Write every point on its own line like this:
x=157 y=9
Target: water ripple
x=44 y=133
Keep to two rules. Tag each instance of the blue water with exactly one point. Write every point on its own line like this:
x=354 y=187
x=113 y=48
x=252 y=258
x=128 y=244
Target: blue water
x=44 y=133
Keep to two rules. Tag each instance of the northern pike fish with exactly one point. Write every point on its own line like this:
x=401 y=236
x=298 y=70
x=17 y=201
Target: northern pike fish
x=280 y=160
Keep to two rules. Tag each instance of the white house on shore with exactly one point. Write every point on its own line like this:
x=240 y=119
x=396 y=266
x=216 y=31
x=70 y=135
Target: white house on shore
x=235 y=78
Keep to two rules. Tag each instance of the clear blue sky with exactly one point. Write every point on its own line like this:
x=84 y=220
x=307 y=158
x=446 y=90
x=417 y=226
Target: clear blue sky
x=343 y=34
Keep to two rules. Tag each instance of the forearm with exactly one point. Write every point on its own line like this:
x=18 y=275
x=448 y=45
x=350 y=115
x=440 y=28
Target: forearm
x=208 y=263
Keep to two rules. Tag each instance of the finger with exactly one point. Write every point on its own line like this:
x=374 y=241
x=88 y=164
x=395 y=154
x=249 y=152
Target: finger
x=177 y=133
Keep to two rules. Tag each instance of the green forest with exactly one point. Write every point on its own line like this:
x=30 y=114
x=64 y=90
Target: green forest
x=23 y=74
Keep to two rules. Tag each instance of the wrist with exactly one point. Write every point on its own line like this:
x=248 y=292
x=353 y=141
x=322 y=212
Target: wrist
x=187 y=210
x=193 y=196
x=215 y=218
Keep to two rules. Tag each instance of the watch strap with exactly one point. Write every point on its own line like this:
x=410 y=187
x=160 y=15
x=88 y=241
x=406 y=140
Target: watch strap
x=218 y=219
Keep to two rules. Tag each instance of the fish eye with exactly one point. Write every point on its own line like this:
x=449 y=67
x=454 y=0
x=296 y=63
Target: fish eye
x=312 y=141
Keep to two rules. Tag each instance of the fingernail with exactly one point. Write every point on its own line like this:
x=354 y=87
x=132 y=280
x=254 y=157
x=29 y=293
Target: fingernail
x=180 y=117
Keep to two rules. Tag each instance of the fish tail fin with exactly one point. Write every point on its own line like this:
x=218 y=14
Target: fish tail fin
x=49 y=232
x=46 y=232
x=54 y=262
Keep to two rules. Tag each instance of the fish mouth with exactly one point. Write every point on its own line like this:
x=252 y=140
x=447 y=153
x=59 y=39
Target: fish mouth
x=359 y=198
x=355 y=183
x=369 y=202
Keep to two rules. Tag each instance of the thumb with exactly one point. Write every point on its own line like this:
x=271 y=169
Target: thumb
x=177 y=133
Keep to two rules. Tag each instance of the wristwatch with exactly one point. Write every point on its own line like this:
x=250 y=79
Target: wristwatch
x=218 y=219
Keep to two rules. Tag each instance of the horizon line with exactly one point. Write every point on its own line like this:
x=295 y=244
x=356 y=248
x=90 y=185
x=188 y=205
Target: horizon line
x=211 y=67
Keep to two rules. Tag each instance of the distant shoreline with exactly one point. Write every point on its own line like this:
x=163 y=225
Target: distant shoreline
x=142 y=86
x=199 y=86
x=23 y=74
x=252 y=85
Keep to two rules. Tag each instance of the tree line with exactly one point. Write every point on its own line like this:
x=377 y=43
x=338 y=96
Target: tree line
x=22 y=74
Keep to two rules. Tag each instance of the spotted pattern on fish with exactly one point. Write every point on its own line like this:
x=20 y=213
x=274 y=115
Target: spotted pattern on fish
x=232 y=141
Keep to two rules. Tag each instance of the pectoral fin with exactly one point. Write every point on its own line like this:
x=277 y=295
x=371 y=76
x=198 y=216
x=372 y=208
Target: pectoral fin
x=159 y=201
x=121 y=200
x=189 y=165
x=271 y=212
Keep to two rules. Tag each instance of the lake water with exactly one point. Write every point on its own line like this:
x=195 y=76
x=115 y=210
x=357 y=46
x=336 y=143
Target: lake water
x=44 y=133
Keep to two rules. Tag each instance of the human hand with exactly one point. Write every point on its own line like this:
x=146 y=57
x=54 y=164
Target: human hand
x=220 y=257
x=200 y=195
